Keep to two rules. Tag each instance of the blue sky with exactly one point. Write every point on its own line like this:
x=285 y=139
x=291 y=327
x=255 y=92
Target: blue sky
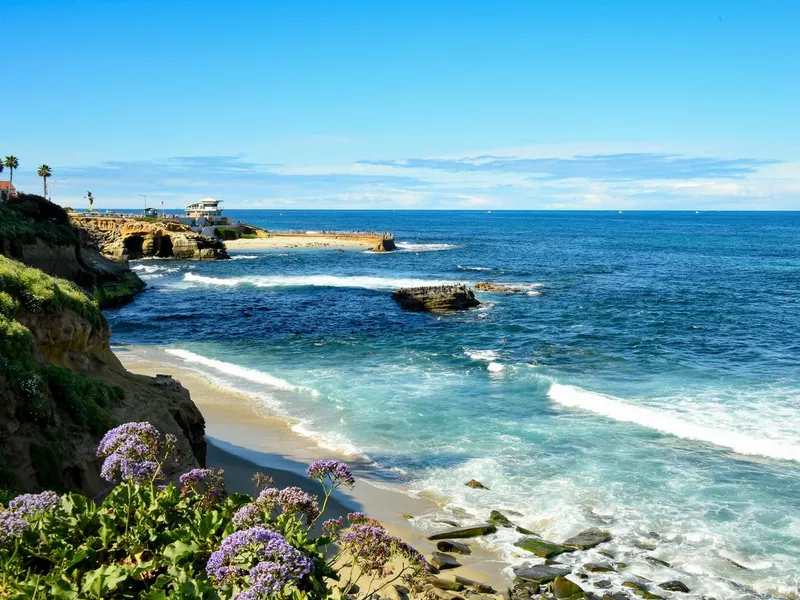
x=384 y=104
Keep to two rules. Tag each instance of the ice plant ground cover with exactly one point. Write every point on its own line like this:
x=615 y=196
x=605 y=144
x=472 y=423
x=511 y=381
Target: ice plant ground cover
x=151 y=539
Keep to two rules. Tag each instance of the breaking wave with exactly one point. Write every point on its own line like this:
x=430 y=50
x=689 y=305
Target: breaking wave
x=266 y=281
x=670 y=423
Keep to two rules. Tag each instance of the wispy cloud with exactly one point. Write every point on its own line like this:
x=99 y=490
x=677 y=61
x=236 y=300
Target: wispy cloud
x=598 y=166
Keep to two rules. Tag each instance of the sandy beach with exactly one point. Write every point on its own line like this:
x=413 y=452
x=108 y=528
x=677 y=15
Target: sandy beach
x=290 y=240
x=243 y=440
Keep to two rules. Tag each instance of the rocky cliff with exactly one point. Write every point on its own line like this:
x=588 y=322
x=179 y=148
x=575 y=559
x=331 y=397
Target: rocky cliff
x=39 y=234
x=61 y=387
x=132 y=238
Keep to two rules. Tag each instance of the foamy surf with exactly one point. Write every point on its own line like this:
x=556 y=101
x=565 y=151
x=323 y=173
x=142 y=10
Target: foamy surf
x=245 y=373
x=661 y=420
x=266 y=281
x=412 y=247
x=245 y=256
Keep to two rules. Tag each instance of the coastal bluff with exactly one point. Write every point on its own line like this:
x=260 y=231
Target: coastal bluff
x=136 y=237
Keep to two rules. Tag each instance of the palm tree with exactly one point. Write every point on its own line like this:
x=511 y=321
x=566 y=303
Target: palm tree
x=12 y=162
x=44 y=172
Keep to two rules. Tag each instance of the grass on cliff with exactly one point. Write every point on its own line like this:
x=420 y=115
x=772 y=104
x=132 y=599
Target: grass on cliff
x=16 y=226
x=36 y=292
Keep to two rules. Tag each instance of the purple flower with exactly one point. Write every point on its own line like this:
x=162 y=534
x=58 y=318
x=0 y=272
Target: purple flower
x=206 y=483
x=293 y=500
x=277 y=564
x=373 y=548
x=249 y=515
x=331 y=526
x=11 y=526
x=30 y=505
x=268 y=499
x=336 y=471
x=359 y=518
x=134 y=452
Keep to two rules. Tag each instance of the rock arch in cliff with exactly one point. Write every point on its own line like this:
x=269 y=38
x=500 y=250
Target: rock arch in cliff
x=134 y=246
x=164 y=248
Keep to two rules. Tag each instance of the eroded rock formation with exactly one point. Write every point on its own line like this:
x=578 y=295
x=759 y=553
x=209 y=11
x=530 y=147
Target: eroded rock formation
x=436 y=298
x=134 y=238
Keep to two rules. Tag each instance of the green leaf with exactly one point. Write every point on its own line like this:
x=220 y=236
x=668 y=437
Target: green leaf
x=104 y=580
x=179 y=550
x=78 y=557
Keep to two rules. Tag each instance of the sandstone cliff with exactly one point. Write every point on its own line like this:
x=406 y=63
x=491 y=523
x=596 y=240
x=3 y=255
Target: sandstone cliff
x=38 y=233
x=134 y=238
x=61 y=387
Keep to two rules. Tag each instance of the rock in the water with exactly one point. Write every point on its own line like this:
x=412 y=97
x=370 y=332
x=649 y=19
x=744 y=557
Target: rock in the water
x=451 y=546
x=674 y=586
x=657 y=561
x=599 y=567
x=538 y=574
x=464 y=532
x=564 y=588
x=505 y=288
x=475 y=485
x=444 y=584
x=443 y=561
x=436 y=298
x=483 y=588
x=589 y=538
x=641 y=591
x=524 y=530
x=542 y=548
x=499 y=519
x=616 y=596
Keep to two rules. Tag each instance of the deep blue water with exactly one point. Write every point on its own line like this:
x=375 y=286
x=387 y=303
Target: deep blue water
x=648 y=379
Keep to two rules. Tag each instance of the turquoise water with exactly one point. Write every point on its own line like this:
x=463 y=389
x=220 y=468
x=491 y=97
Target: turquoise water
x=647 y=380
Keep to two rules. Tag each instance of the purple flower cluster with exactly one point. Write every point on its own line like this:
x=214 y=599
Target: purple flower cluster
x=331 y=526
x=372 y=548
x=11 y=526
x=249 y=515
x=295 y=501
x=278 y=564
x=335 y=471
x=209 y=484
x=268 y=499
x=133 y=452
x=30 y=505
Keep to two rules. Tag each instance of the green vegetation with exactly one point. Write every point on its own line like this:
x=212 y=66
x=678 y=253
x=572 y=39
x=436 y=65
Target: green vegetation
x=226 y=233
x=17 y=227
x=249 y=236
x=36 y=292
x=114 y=294
x=194 y=540
x=44 y=172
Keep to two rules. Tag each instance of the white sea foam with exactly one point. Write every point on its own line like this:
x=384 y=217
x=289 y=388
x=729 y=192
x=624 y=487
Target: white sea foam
x=151 y=269
x=490 y=357
x=266 y=281
x=331 y=440
x=465 y=268
x=245 y=373
x=245 y=256
x=675 y=424
x=412 y=247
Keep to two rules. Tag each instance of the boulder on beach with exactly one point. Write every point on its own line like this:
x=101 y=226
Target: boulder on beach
x=442 y=561
x=464 y=532
x=674 y=586
x=482 y=588
x=599 y=567
x=641 y=590
x=542 y=548
x=444 y=584
x=499 y=519
x=588 y=538
x=564 y=588
x=538 y=575
x=453 y=546
x=443 y=298
x=475 y=485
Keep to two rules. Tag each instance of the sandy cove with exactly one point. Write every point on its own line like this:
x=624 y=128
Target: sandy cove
x=243 y=440
x=332 y=241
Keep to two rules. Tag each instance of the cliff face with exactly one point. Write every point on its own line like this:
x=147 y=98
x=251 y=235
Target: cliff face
x=61 y=387
x=134 y=238
x=39 y=234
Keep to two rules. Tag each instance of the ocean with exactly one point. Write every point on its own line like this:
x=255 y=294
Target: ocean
x=646 y=380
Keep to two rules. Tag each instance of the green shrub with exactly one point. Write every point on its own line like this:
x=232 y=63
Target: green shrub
x=249 y=236
x=84 y=398
x=226 y=233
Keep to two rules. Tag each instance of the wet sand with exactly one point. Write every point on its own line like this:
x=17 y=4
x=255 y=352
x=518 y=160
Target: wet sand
x=244 y=440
